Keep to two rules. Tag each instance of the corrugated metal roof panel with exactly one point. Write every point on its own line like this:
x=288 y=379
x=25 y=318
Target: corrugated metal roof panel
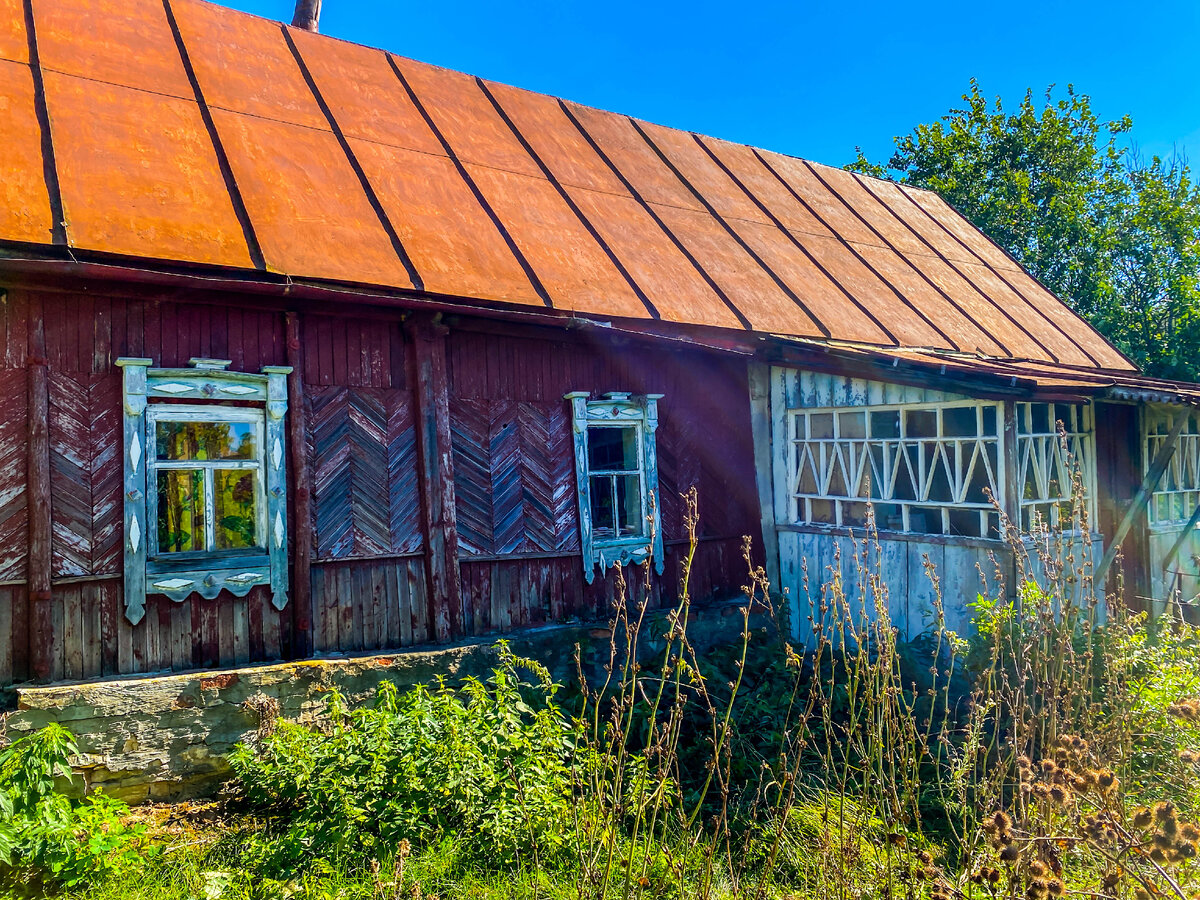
x=244 y=64
x=139 y=175
x=24 y=200
x=14 y=42
x=307 y=207
x=91 y=39
x=445 y=230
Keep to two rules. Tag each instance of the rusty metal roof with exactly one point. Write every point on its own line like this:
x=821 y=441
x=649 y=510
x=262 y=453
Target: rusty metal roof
x=181 y=131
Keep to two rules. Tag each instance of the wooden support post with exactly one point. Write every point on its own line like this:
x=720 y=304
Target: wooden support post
x=1011 y=499
x=431 y=390
x=1142 y=498
x=764 y=473
x=302 y=537
x=41 y=629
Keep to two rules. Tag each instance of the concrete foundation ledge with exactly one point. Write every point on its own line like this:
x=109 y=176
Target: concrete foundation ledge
x=167 y=737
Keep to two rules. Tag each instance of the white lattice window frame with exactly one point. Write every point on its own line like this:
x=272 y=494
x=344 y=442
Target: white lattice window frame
x=1045 y=466
x=1178 y=492
x=959 y=455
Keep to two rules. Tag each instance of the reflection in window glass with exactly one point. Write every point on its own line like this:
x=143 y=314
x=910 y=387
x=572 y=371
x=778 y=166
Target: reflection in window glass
x=205 y=440
x=181 y=511
x=612 y=449
x=235 y=504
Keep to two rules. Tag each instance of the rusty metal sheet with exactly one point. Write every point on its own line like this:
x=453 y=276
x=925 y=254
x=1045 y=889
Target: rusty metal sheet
x=307 y=206
x=363 y=93
x=244 y=65
x=1061 y=347
x=1082 y=335
x=744 y=282
x=466 y=118
x=572 y=266
x=139 y=176
x=638 y=163
x=961 y=331
x=766 y=187
x=989 y=316
x=849 y=272
x=842 y=319
x=14 y=42
x=556 y=140
x=128 y=43
x=835 y=214
x=904 y=208
x=24 y=201
x=448 y=235
x=665 y=275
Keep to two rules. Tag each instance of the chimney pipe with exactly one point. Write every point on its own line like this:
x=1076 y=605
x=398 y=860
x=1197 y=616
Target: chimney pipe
x=308 y=12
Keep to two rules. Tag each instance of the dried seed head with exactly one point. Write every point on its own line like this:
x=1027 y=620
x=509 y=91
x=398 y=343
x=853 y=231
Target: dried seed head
x=1142 y=818
x=1037 y=867
x=1009 y=854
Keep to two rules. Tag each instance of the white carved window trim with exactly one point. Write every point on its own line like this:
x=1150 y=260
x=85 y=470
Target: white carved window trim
x=150 y=393
x=882 y=453
x=618 y=409
x=1045 y=467
x=1178 y=492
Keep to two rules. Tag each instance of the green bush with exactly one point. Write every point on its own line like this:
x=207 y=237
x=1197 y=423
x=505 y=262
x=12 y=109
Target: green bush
x=484 y=765
x=46 y=839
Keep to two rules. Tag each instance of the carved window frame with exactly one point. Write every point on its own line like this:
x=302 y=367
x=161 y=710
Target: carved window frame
x=628 y=410
x=209 y=388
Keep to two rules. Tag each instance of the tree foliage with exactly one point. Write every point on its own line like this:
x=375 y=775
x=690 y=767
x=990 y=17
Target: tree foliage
x=1115 y=236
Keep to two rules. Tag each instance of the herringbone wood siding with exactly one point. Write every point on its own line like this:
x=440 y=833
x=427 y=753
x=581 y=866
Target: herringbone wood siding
x=363 y=453
x=85 y=473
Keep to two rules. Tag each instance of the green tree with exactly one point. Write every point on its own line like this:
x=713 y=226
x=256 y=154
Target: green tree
x=1117 y=238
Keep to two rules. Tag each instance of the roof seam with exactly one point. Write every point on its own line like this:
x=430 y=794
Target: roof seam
x=708 y=279
x=128 y=87
x=783 y=286
x=58 y=213
x=999 y=275
x=857 y=255
x=953 y=264
x=524 y=263
x=791 y=237
x=888 y=245
x=609 y=252
x=368 y=190
x=253 y=248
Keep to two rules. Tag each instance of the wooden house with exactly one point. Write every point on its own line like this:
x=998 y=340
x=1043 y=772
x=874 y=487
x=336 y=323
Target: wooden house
x=307 y=348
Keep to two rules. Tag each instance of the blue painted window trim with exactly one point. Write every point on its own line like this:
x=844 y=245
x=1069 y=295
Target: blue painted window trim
x=625 y=409
x=206 y=384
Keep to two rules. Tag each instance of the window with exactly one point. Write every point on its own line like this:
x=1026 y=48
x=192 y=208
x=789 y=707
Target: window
x=1046 y=466
x=616 y=475
x=1178 y=492
x=924 y=467
x=205 y=498
x=206 y=472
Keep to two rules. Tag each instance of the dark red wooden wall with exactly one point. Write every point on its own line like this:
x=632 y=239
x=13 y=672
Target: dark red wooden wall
x=513 y=479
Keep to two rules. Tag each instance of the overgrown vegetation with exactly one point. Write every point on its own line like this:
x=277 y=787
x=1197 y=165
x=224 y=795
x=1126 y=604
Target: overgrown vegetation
x=1052 y=752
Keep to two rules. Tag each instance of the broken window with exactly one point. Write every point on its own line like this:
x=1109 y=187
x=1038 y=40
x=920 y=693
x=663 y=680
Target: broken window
x=617 y=479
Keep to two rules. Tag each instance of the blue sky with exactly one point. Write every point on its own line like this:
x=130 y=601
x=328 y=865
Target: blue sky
x=810 y=79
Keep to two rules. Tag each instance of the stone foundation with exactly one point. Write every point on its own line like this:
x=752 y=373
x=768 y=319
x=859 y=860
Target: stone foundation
x=167 y=737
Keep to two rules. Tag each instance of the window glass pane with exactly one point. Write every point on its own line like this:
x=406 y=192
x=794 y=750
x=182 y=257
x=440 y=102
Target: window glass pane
x=852 y=424
x=1040 y=418
x=989 y=421
x=235 y=502
x=603 y=519
x=181 y=511
x=821 y=425
x=205 y=440
x=960 y=421
x=920 y=423
x=629 y=502
x=885 y=424
x=612 y=449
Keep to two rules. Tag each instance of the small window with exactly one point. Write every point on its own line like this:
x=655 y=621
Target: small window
x=616 y=475
x=205 y=499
